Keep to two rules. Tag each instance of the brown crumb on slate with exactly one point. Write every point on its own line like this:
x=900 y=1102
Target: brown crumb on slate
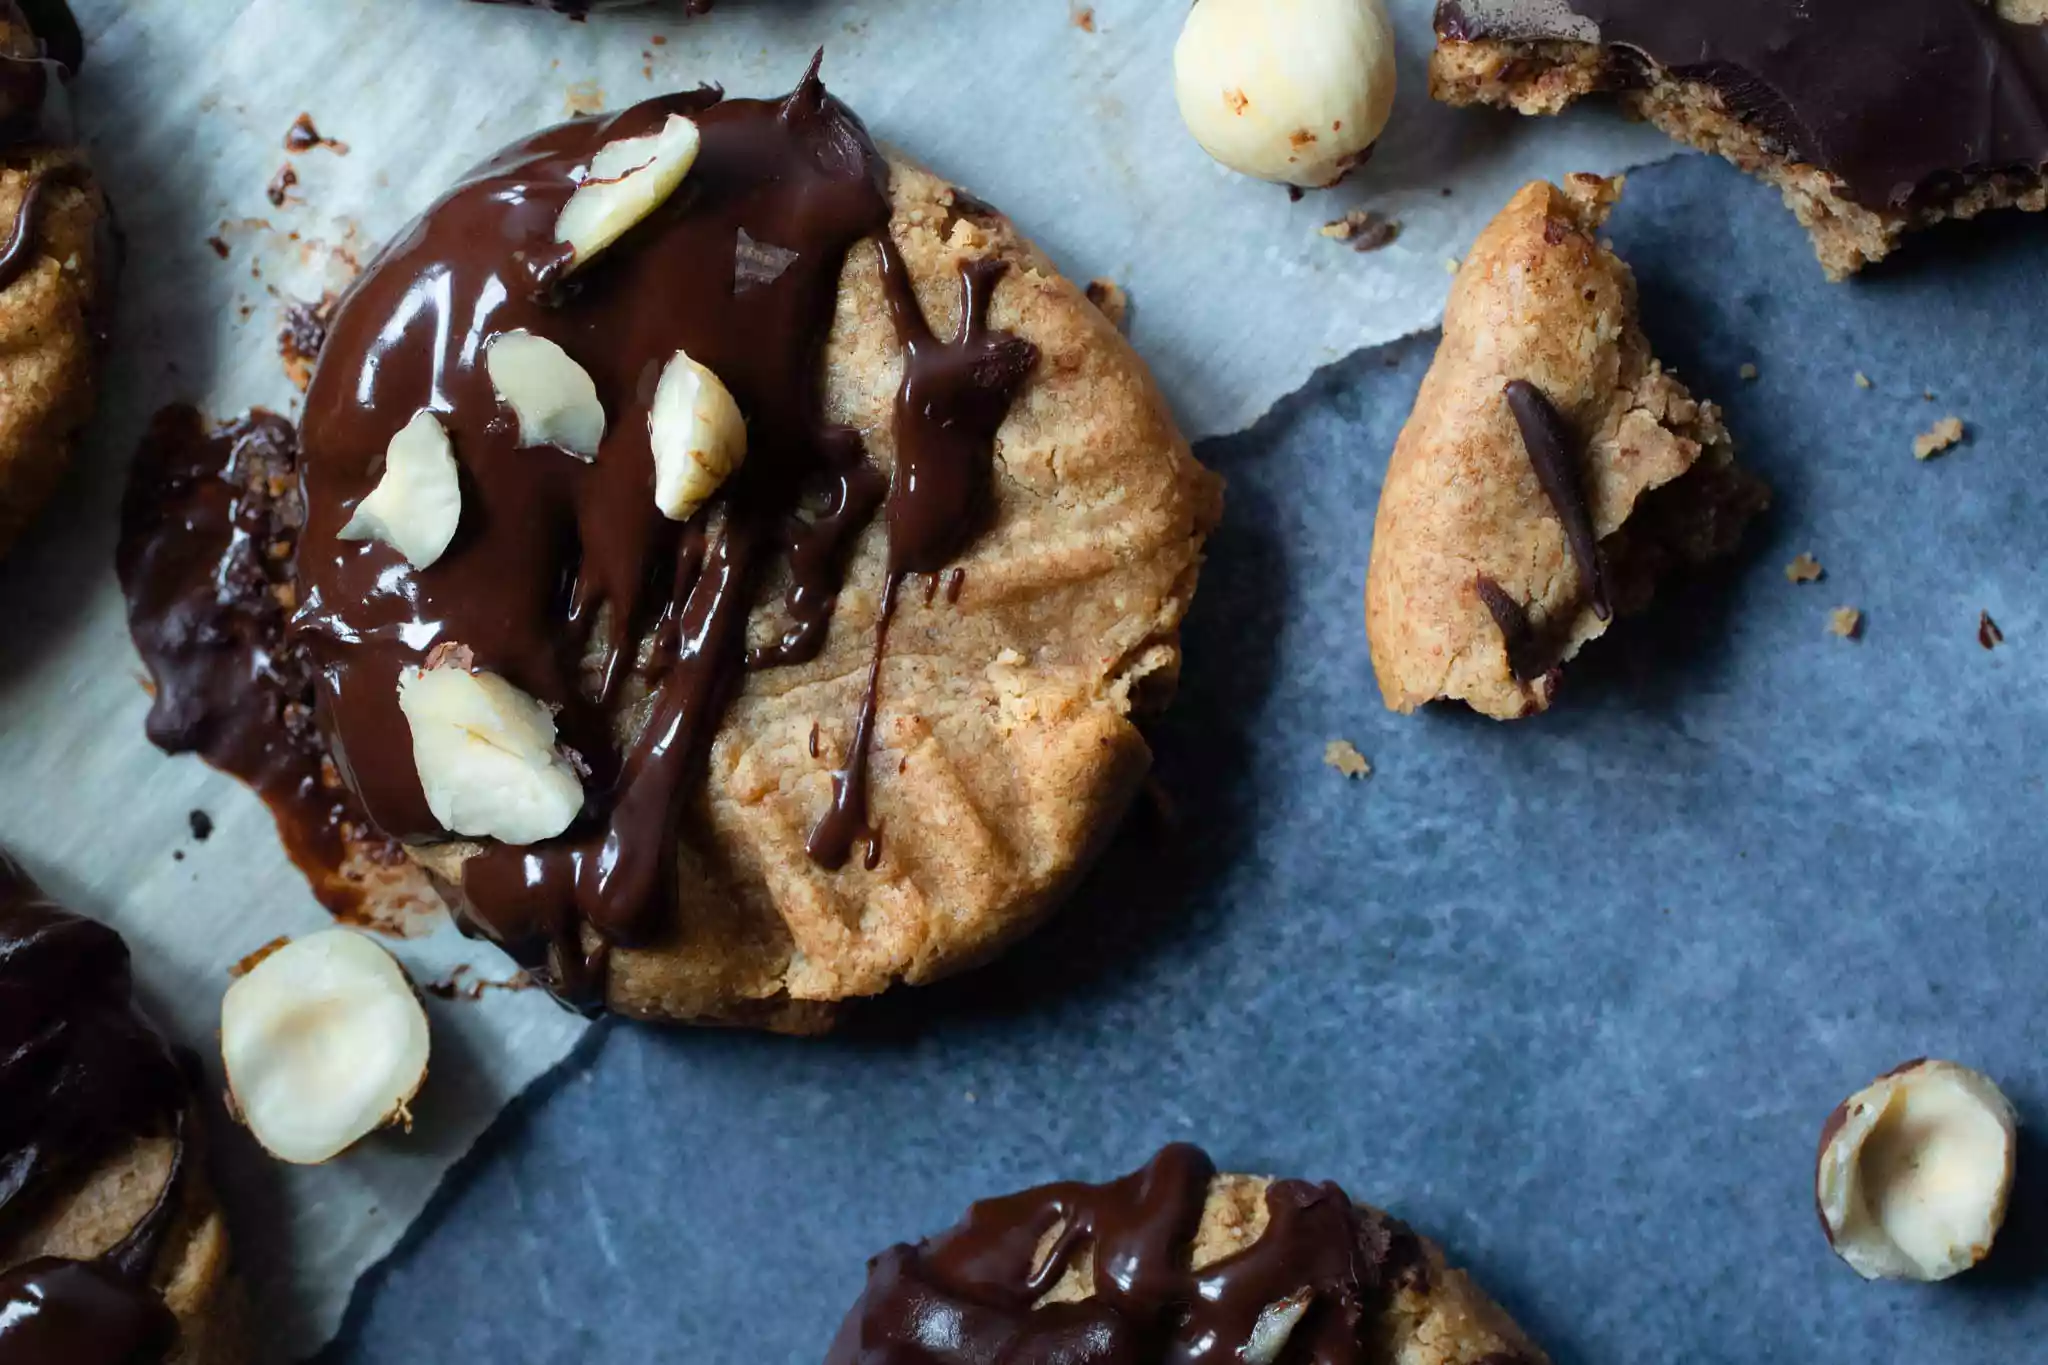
x=248 y=964
x=1748 y=371
x=1943 y=435
x=583 y=97
x=219 y=245
x=1343 y=755
x=1083 y=17
x=1364 y=229
x=1988 y=633
x=302 y=136
x=1451 y=265
x=281 y=185
x=303 y=334
x=1804 y=569
x=202 y=825
x=1110 y=299
x=1863 y=380
x=1846 y=622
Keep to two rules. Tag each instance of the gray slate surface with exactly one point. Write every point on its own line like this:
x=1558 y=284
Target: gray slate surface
x=1571 y=995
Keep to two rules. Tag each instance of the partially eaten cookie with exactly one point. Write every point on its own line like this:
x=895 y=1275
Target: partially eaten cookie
x=1551 y=471
x=1873 y=117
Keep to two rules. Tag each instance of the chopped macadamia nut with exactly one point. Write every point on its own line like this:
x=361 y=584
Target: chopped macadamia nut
x=628 y=179
x=1914 y=1172
x=486 y=755
x=697 y=435
x=417 y=503
x=553 y=397
x=324 y=1042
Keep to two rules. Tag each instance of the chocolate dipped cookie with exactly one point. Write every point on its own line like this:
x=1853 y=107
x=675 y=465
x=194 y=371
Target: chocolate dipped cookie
x=1873 y=117
x=1551 y=471
x=56 y=262
x=734 y=560
x=1175 y=1262
x=112 y=1246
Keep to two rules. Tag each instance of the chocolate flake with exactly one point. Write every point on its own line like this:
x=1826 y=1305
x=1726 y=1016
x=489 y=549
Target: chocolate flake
x=1550 y=444
x=1988 y=633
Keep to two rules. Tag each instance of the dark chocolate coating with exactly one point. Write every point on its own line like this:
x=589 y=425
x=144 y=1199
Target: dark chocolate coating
x=81 y=1073
x=967 y=1296
x=564 y=577
x=1899 y=99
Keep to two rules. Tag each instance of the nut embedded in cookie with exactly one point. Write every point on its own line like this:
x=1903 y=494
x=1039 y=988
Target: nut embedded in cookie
x=1550 y=471
x=1206 y=1265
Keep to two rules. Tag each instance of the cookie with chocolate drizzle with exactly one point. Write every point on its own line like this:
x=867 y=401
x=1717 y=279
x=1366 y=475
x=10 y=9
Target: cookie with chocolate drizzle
x=1551 y=471
x=808 y=773
x=1174 y=1263
x=1873 y=117
x=112 y=1249
x=56 y=262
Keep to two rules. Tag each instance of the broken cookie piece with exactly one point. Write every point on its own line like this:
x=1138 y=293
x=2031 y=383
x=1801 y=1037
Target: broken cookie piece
x=1872 y=117
x=1550 y=472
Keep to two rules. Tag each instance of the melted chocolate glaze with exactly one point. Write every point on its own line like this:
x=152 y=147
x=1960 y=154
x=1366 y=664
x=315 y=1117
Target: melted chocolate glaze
x=562 y=569
x=81 y=1073
x=209 y=523
x=967 y=1296
x=1550 y=444
x=1899 y=99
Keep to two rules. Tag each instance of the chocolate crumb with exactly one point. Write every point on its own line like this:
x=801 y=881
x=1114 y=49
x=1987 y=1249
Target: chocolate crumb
x=1364 y=229
x=1109 y=297
x=1804 y=569
x=281 y=184
x=1294 y=194
x=1943 y=435
x=202 y=825
x=219 y=245
x=1988 y=633
x=1846 y=622
x=248 y=964
x=1343 y=755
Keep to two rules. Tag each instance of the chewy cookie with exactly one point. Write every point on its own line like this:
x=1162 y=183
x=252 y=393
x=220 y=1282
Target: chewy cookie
x=1550 y=472
x=734 y=559
x=55 y=265
x=1873 y=117
x=1175 y=1262
x=112 y=1247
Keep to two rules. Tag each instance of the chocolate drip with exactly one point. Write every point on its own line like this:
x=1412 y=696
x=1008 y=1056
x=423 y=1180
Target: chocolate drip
x=1515 y=631
x=81 y=1073
x=1550 y=444
x=1897 y=98
x=971 y=1294
x=209 y=523
x=564 y=577
x=953 y=399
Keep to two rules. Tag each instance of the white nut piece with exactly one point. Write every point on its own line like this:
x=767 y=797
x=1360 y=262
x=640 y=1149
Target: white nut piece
x=554 y=398
x=486 y=756
x=417 y=503
x=1293 y=91
x=1914 y=1172
x=697 y=435
x=324 y=1043
x=627 y=180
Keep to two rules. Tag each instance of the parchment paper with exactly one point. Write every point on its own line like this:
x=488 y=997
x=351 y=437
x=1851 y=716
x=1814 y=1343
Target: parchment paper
x=186 y=102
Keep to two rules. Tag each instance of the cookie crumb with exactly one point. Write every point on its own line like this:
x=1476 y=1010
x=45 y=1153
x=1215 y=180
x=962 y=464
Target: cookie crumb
x=1846 y=622
x=1863 y=381
x=583 y=97
x=1364 y=229
x=248 y=963
x=1110 y=299
x=1804 y=569
x=1988 y=633
x=1749 y=372
x=280 y=186
x=1943 y=435
x=202 y=823
x=1452 y=265
x=1083 y=17
x=219 y=245
x=1343 y=755
x=302 y=136
x=303 y=334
